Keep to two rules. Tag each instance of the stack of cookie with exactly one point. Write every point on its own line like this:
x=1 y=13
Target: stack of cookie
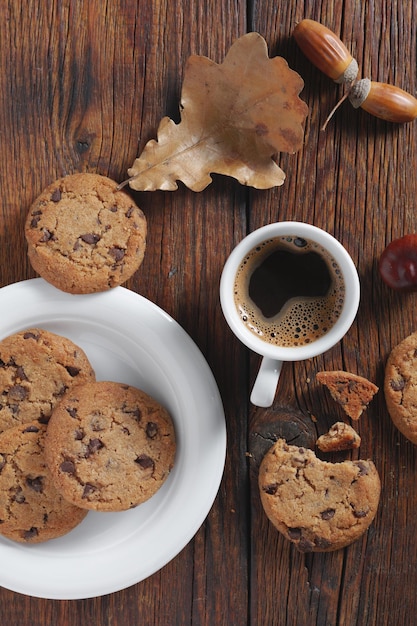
x=68 y=443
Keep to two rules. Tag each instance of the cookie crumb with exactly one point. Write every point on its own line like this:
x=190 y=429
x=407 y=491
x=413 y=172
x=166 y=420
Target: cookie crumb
x=339 y=437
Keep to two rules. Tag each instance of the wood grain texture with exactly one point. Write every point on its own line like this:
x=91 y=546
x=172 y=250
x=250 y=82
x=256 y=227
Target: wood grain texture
x=83 y=86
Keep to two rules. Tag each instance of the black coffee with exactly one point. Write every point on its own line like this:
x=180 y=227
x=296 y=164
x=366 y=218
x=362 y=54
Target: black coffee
x=289 y=291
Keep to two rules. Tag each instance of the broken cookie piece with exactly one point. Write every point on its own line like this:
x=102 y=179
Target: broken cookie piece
x=351 y=391
x=339 y=437
x=317 y=505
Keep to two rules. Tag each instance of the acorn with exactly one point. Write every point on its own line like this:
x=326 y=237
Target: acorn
x=326 y=51
x=385 y=101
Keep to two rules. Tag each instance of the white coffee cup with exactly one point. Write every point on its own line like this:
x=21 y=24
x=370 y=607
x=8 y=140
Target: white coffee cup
x=264 y=390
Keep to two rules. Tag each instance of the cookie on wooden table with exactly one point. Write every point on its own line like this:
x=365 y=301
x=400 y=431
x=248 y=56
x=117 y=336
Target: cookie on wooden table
x=109 y=446
x=351 y=391
x=31 y=509
x=36 y=368
x=84 y=235
x=400 y=386
x=319 y=506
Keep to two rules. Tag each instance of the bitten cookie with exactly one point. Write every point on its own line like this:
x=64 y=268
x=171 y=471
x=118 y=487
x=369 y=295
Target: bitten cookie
x=109 y=446
x=352 y=392
x=317 y=505
x=31 y=509
x=84 y=235
x=400 y=386
x=36 y=369
x=339 y=437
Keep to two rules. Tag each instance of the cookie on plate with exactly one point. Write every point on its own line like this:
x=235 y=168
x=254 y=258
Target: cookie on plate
x=340 y=436
x=319 y=506
x=84 y=235
x=109 y=446
x=400 y=386
x=351 y=391
x=36 y=369
x=31 y=509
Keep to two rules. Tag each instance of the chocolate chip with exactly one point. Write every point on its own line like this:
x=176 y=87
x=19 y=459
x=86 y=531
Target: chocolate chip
x=34 y=221
x=90 y=238
x=72 y=371
x=35 y=483
x=117 y=253
x=60 y=392
x=151 y=430
x=71 y=411
x=36 y=216
x=398 y=384
x=18 y=393
x=31 y=533
x=359 y=514
x=363 y=469
x=145 y=461
x=68 y=467
x=43 y=419
x=130 y=211
x=30 y=335
x=113 y=209
x=322 y=543
x=47 y=235
x=31 y=429
x=56 y=195
x=2 y=462
x=78 y=435
x=327 y=514
x=20 y=373
x=271 y=489
x=136 y=412
x=88 y=490
x=294 y=533
x=94 y=445
x=305 y=545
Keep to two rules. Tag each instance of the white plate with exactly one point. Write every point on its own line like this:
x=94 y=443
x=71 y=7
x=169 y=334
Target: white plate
x=127 y=339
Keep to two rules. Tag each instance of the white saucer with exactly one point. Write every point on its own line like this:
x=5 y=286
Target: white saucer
x=127 y=339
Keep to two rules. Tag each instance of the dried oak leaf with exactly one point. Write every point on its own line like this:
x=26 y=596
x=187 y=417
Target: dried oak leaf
x=235 y=118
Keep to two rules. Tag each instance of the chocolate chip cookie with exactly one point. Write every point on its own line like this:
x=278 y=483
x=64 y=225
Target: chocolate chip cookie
x=36 y=369
x=400 y=386
x=31 y=509
x=84 y=235
x=317 y=505
x=109 y=446
x=351 y=391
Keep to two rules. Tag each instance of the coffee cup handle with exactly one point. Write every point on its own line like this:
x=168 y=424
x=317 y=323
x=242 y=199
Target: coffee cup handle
x=264 y=389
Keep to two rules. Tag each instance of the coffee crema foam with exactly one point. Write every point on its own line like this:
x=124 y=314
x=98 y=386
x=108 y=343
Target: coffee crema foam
x=301 y=320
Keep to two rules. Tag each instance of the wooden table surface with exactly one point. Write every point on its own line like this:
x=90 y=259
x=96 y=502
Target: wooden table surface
x=83 y=87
